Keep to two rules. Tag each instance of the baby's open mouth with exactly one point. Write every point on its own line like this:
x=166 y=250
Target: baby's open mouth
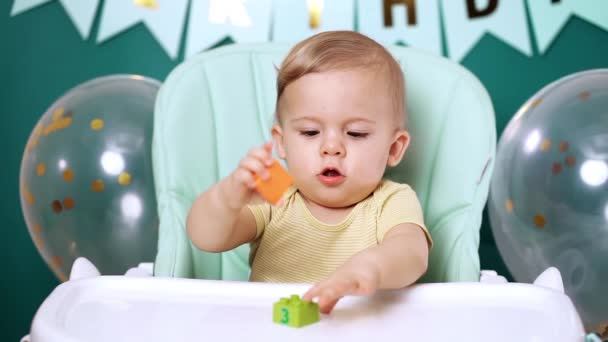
x=331 y=176
x=331 y=172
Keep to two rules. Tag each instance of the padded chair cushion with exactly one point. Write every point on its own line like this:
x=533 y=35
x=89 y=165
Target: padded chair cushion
x=217 y=105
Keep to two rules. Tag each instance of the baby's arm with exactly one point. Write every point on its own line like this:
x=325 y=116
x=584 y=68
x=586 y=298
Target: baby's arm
x=397 y=262
x=219 y=219
x=402 y=257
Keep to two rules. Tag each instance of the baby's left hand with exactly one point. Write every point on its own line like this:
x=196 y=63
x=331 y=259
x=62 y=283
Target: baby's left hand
x=357 y=277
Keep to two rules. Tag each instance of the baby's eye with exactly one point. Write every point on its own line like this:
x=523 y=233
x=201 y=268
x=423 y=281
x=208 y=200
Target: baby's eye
x=309 y=133
x=358 y=134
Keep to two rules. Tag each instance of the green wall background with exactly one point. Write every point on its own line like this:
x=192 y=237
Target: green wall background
x=42 y=56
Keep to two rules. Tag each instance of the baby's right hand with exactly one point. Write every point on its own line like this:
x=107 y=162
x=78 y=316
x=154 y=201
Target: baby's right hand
x=243 y=179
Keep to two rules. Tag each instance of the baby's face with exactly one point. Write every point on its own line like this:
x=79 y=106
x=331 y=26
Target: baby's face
x=336 y=133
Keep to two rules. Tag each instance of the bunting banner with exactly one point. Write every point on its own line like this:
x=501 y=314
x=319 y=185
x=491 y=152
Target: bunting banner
x=550 y=17
x=410 y=22
x=211 y=21
x=414 y=23
x=164 y=19
x=467 y=21
x=295 y=20
x=81 y=12
x=20 y=6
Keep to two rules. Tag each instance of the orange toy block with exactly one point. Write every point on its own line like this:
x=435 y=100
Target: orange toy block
x=273 y=188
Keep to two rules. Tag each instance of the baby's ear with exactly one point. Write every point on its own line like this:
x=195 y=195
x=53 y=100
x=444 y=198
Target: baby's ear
x=401 y=141
x=277 y=137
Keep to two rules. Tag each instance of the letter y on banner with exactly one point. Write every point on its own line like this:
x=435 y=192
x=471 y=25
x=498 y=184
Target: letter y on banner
x=294 y=20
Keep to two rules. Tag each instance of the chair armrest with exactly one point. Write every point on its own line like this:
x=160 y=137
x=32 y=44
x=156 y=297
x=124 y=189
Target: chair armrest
x=489 y=276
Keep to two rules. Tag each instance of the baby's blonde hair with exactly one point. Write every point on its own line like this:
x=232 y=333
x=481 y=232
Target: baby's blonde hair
x=342 y=50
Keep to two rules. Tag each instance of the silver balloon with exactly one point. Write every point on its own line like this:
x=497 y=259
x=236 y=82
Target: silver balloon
x=86 y=180
x=549 y=194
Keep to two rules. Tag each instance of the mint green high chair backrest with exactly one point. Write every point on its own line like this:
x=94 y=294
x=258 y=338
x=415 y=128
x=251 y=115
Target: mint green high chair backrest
x=215 y=106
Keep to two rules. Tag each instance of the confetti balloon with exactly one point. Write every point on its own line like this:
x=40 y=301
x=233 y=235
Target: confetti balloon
x=86 y=180
x=549 y=194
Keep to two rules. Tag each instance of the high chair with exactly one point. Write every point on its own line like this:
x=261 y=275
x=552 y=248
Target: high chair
x=214 y=107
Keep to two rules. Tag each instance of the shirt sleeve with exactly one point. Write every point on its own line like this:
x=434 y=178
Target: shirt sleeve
x=261 y=212
x=400 y=205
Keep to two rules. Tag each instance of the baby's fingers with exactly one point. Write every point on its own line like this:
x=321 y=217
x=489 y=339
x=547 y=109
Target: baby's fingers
x=264 y=154
x=312 y=293
x=330 y=292
x=255 y=166
x=245 y=178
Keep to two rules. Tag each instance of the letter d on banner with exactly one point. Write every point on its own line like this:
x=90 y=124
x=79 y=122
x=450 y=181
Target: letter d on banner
x=505 y=19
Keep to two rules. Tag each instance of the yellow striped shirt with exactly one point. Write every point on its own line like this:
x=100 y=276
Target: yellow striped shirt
x=291 y=245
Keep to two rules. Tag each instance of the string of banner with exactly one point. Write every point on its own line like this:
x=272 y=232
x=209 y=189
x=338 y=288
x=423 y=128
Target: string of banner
x=411 y=22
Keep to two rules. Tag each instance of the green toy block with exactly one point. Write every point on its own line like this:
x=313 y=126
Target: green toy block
x=295 y=312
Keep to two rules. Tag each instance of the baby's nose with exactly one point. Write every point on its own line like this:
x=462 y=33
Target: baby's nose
x=333 y=148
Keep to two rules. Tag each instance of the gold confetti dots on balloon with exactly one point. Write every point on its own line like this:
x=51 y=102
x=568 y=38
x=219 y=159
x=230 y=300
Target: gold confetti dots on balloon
x=151 y=4
x=556 y=168
x=570 y=160
x=97 y=124
x=38 y=242
x=536 y=102
x=60 y=121
x=97 y=185
x=68 y=203
x=124 y=178
x=584 y=96
x=539 y=220
x=509 y=206
x=68 y=175
x=29 y=197
x=57 y=207
x=57 y=264
x=545 y=145
x=58 y=114
x=40 y=169
x=57 y=260
x=563 y=146
x=37 y=228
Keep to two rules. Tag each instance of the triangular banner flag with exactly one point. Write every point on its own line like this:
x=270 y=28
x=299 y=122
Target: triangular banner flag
x=165 y=20
x=82 y=14
x=213 y=20
x=415 y=23
x=466 y=21
x=549 y=17
x=294 y=20
x=20 y=6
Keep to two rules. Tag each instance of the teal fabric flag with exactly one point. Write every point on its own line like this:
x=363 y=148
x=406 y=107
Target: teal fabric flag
x=549 y=18
x=294 y=20
x=81 y=12
x=467 y=21
x=20 y=6
x=165 y=21
x=211 y=21
x=415 y=23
